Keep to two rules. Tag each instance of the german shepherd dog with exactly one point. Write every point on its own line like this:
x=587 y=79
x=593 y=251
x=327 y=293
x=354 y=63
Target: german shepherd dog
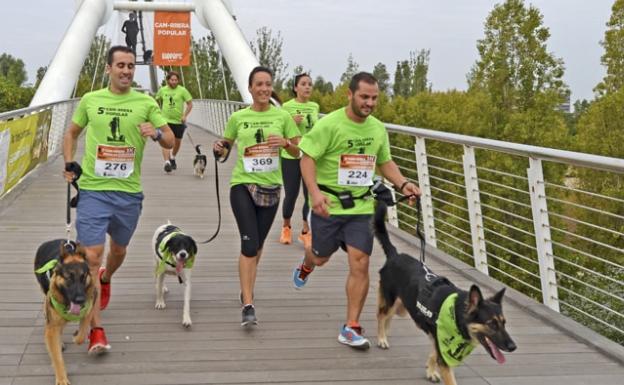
x=62 y=271
x=199 y=163
x=455 y=320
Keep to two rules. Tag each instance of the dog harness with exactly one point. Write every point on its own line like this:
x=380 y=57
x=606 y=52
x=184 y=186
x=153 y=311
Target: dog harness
x=63 y=310
x=454 y=347
x=165 y=256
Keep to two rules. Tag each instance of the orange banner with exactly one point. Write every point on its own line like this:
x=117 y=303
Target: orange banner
x=172 y=38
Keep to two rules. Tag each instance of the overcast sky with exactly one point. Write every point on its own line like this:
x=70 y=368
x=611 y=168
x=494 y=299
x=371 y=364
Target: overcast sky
x=320 y=34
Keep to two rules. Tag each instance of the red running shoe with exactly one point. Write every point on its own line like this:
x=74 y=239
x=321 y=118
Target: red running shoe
x=105 y=289
x=97 y=342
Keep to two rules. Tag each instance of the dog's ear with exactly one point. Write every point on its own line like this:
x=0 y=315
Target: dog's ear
x=498 y=297
x=474 y=298
x=193 y=247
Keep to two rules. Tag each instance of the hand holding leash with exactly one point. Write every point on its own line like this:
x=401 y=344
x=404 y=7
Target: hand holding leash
x=221 y=149
x=72 y=171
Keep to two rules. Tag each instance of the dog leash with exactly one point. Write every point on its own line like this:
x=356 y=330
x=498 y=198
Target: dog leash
x=419 y=231
x=71 y=202
x=218 y=159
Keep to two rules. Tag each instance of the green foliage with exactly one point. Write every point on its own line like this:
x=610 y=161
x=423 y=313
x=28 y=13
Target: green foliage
x=215 y=76
x=514 y=64
x=613 y=57
x=13 y=97
x=12 y=70
x=352 y=68
x=268 y=50
x=93 y=75
x=383 y=77
x=410 y=76
x=322 y=86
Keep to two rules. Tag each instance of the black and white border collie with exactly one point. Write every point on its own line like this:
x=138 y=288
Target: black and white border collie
x=174 y=255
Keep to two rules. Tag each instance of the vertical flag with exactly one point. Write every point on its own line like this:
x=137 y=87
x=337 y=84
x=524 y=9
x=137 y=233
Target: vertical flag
x=172 y=38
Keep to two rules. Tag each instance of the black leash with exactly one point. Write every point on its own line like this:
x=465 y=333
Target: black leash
x=419 y=231
x=74 y=167
x=218 y=158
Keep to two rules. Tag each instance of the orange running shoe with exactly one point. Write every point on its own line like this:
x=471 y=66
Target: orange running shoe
x=306 y=239
x=286 y=236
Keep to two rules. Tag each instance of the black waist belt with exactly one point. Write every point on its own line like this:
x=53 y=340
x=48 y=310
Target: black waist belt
x=338 y=193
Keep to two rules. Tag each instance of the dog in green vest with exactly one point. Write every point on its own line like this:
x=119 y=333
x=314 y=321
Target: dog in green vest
x=62 y=271
x=455 y=320
x=175 y=255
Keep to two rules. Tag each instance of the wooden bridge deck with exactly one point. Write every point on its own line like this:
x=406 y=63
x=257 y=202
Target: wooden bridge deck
x=295 y=342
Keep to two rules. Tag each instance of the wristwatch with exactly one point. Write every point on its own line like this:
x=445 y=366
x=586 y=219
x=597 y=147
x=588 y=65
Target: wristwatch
x=158 y=135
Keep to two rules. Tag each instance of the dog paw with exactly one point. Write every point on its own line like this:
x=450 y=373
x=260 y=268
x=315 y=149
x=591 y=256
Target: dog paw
x=433 y=376
x=383 y=343
x=160 y=305
x=186 y=322
x=62 y=381
x=79 y=339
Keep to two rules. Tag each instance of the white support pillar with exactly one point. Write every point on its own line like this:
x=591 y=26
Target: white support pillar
x=541 y=225
x=425 y=188
x=64 y=69
x=214 y=15
x=474 y=210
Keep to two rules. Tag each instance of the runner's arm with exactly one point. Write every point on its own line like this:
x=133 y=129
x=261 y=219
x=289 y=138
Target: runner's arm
x=391 y=172
x=320 y=203
x=69 y=147
x=187 y=110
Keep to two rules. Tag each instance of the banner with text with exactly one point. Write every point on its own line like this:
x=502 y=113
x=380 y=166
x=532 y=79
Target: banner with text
x=23 y=146
x=172 y=38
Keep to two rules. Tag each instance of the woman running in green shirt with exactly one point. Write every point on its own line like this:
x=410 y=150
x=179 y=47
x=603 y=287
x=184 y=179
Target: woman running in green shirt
x=260 y=131
x=305 y=114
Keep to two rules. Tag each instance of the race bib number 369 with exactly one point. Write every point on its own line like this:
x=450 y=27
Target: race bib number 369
x=261 y=158
x=114 y=161
x=356 y=169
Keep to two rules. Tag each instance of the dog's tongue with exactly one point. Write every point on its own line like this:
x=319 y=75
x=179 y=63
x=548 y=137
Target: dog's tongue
x=74 y=308
x=179 y=266
x=498 y=355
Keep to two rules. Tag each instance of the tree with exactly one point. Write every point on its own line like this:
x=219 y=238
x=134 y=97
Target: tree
x=352 y=69
x=12 y=69
x=12 y=96
x=383 y=77
x=613 y=58
x=268 y=50
x=215 y=77
x=322 y=86
x=410 y=76
x=41 y=71
x=514 y=64
x=92 y=75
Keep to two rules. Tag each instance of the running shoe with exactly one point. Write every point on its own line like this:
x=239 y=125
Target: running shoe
x=105 y=289
x=174 y=166
x=168 y=167
x=249 y=315
x=300 y=276
x=306 y=239
x=98 y=343
x=352 y=336
x=286 y=236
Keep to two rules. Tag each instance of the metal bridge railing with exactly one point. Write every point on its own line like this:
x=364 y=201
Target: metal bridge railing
x=535 y=218
x=549 y=223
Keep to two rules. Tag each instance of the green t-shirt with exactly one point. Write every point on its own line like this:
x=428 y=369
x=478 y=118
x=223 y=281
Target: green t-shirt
x=113 y=142
x=257 y=163
x=173 y=101
x=346 y=154
x=310 y=112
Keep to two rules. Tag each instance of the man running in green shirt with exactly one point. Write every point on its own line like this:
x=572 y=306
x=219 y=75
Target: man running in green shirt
x=341 y=155
x=118 y=122
x=172 y=98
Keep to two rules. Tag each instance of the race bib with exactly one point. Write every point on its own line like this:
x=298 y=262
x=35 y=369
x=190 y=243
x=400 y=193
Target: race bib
x=261 y=158
x=356 y=169
x=114 y=161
